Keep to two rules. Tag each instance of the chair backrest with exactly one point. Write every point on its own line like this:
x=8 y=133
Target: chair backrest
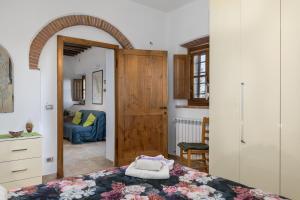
x=205 y=130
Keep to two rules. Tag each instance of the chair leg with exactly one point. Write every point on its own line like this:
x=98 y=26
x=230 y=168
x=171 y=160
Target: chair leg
x=189 y=158
x=207 y=164
x=181 y=155
x=204 y=161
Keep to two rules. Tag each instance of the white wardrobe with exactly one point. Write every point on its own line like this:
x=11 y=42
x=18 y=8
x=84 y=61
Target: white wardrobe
x=255 y=93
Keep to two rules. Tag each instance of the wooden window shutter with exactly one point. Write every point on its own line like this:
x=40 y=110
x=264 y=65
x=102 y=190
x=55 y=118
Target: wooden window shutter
x=181 y=77
x=77 y=89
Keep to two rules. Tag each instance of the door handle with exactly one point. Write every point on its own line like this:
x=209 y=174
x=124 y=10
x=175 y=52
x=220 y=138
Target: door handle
x=242 y=134
x=163 y=108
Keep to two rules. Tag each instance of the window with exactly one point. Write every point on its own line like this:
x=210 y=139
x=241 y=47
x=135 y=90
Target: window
x=199 y=76
x=191 y=73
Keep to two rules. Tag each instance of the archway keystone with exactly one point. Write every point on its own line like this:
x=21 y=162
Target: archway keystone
x=61 y=23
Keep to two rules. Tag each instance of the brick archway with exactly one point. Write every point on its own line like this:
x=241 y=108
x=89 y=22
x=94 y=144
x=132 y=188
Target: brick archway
x=58 y=24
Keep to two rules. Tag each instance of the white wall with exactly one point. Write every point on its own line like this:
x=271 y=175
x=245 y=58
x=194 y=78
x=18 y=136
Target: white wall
x=183 y=25
x=69 y=75
x=34 y=89
x=110 y=104
x=85 y=63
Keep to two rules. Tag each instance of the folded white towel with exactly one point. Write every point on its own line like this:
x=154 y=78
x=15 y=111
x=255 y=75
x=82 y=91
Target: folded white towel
x=169 y=163
x=151 y=165
x=159 y=157
x=146 y=174
x=3 y=193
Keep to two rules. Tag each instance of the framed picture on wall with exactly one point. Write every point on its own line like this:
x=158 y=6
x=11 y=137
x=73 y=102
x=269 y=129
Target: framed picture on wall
x=97 y=90
x=6 y=82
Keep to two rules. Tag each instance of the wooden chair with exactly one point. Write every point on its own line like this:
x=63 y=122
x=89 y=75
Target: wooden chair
x=201 y=149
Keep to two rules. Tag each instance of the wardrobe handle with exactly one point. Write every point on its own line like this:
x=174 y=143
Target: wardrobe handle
x=242 y=113
x=242 y=140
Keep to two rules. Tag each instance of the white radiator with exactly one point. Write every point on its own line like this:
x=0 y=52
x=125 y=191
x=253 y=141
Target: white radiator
x=187 y=130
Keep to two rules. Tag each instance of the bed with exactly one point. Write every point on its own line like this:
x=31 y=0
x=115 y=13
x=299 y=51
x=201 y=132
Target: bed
x=113 y=184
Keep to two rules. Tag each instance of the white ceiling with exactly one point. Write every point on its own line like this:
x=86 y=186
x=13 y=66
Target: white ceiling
x=164 y=5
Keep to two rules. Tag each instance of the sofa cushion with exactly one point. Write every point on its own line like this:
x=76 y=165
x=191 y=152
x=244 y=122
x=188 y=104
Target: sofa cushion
x=77 y=118
x=90 y=120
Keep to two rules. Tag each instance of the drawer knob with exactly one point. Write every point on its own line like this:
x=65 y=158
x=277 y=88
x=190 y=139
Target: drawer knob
x=20 y=170
x=16 y=150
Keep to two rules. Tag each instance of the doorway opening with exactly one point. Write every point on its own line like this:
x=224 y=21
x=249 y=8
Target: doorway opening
x=85 y=105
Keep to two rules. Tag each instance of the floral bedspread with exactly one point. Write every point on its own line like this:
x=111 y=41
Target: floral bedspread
x=113 y=184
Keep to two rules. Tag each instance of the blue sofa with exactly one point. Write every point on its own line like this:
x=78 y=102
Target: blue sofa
x=77 y=134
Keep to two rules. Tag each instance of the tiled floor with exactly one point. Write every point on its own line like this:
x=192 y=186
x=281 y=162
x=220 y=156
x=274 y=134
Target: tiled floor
x=84 y=158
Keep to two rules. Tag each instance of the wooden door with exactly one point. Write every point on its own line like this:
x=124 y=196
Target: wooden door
x=260 y=114
x=225 y=78
x=141 y=104
x=290 y=103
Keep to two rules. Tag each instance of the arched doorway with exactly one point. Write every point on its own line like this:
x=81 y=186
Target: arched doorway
x=61 y=23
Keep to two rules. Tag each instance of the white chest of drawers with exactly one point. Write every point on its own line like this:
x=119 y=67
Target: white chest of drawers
x=20 y=161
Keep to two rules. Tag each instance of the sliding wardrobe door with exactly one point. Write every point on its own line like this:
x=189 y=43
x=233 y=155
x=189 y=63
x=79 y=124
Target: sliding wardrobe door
x=260 y=133
x=224 y=88
x=290 y=99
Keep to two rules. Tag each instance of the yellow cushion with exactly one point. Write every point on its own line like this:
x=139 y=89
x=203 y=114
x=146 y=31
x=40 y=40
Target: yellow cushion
x=77 y=118
x=90 y=120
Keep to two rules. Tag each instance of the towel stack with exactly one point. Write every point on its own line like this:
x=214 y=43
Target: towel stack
x=148 y=167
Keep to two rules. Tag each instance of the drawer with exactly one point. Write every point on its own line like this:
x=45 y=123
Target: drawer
x=21 y=169
x=23 y=183
x=20 y=149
